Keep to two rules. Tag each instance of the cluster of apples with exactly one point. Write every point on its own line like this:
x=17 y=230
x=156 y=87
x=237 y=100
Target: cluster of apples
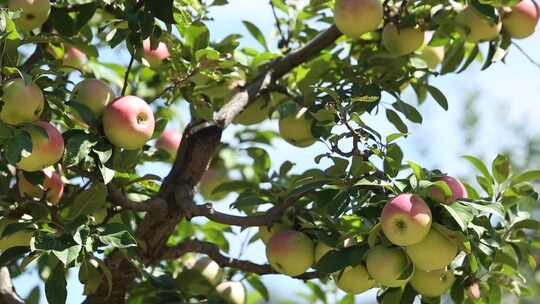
x=406 y=221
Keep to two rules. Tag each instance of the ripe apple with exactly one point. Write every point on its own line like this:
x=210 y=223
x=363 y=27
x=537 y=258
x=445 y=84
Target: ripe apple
x=401 y=41
x=520 y=20
x=155 y=56
x=19 y=238
x=433 y=283
x=169 y=141
x=255 y=113
x=46 y=151
x=355 y=280
x=266 y=232
x=94 y=94
x=232 y=292
x=128 y=122
x=458 y=191
x=435 y=251
x=296 y=130
x=22 y=103
x=74 y=58
x=480 y=27
x=34 y=13
x=406 y=219
x=213 y=178
x=320 y=250
x=52 y=185
x=357 y=17
x=473 y=291
x=209 y=269
x=386 y=265
x=290 y=252
x=432 y=56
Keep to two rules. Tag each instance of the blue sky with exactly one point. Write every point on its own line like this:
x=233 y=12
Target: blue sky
x=507 y=92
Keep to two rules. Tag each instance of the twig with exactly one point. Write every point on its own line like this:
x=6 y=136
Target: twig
x=526 y=55
x=283 y=42
x=126 y=76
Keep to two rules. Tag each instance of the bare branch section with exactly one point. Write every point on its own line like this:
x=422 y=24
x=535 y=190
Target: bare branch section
x=8 y=295
x=213 y=251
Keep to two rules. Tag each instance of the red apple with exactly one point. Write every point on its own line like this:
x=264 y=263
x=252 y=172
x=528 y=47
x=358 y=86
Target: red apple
x=155 y=56
x=128 y=122
x=74 y=58
x=458 y=191
x=520 y=20
x=34 y=13
x=290 y=252
x=169 y=141
x=46 y=151
x=52 y=184
x=22 y=103
x=406 y=219
x=94 y=94
x=357 y=17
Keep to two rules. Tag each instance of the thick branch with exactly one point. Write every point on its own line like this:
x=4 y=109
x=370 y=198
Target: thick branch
x=8 y=295
x=212 y=250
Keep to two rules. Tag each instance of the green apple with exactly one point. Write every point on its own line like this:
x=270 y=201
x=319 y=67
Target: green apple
x=46 y=150
x=432 y=56
x=22 y=103
x=296 y=129
x=479 y=27
x=128 y=122
x=290 y=252
x=255 y=113
x=521 y=19
x=209 y=269
x=232 y=292
x=401 y=41
x=433 y=283
x=355 y=280
x=34 y=13
x=19 y=238
x=266 y=232
x=406 y=219
x=94 y=94
x=320 y=250
x=52 y=185
x=357 y=17
x=435 y=251
x=386 y=265
x=213 y=178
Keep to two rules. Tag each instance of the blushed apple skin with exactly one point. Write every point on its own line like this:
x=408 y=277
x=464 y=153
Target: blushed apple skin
x=520 y=20
x=473 y=291
x=266 y=232
x=434 y=252
x=480 y=28
x=290 y=252
x=355 y=280
x=94 y=94
x=357 y=17
x=169 y=141
x=320 y=250
x=74 y=58
x=403 y=41
x=406 y=219
x=45 y=151
x=22 y=103
x=155 y=56
x=232 y=292
x=34 y=13
x=296 y=130
x=209 y=269
x=433 y=283
x=128 y=122
x=385 y=265
x=458 y=191
x=52 y=184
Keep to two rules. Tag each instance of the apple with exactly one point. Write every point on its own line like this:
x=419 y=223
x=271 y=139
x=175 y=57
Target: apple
x=128 y=122
x=296 y=130
x=213 y=178
x=520 y=20
x=406 y=219
x=432 y=56
x=94 y=94
x=320 y=250
x=155 y=56
x=34 y=13
x=19 y=238
x=401 y=41
x=52 y=185
x=480 y=27
x=74 y=58
x=22 y=103
x=266 y=232
x=209 y=269
x=255 y=113
x=169 y=141
x=435 y=251
x=290 y=252
x=46 y=150
x=458 y=191
x=386 y=265
x=473 y=291
x=355 y=280
x=433 y=283
x=357 y=17
x=232 y=292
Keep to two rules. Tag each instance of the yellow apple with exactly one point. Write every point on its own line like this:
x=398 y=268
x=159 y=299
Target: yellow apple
x=232 y=292
x=22 y=103
x=401 y=41
x=433 y=283
x=320 y=250
x=209 y=269
x=480 y=27
x=435 y=251
x=386 y=265
x=34 y=13
x=296 y=130
x=355 y=280
x=357 y=17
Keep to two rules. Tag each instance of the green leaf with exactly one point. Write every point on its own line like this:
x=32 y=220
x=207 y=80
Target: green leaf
x=478 y=164
x=162 y=10
x=256 y=33
x=526 y=177
x=394 y=118
x=117 y=235
x=460 y=214
x=438 y=96
x=78 y=145
x=525 y=224
x=87 y=202
x=409 y=111
x=20 y=145
x=500 y=168
x=12 y=254
x=55 y=286
x=258 y=285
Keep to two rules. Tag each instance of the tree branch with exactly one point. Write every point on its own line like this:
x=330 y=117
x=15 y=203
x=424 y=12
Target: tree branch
x=116 y=196
x=8 y=295
x=213 y=251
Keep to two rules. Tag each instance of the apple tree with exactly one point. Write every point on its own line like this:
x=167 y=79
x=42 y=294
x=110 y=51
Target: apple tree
x=74 y=130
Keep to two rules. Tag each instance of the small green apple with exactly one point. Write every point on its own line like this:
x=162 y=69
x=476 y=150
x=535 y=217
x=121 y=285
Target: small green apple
x=255 y=113
x=209 y=269
x=435 y=251
x=94 y=94
x=232 y=292
x=213 y=178
x=22 y=103
x=433 y=283
x=355 y=280
x=296 y=129
x=386 y=265
x=480 y=27
x=34 y=13
x=46 y=150
x=290 y=252
x=357 y=17
x=401 y=41
x=432 y=56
